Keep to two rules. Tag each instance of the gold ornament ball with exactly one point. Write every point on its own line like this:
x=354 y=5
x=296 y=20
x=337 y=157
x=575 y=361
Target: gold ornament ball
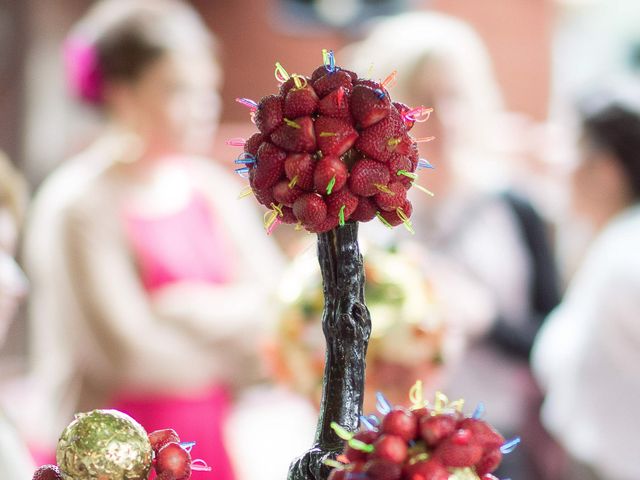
x=104 y=445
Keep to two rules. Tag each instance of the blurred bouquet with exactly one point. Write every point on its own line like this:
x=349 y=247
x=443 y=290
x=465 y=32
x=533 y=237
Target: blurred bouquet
x=407 y=336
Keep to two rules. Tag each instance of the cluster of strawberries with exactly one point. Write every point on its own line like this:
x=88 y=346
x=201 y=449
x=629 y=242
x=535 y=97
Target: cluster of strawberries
x=421 y=444
x=332 y=148
x=172 y=459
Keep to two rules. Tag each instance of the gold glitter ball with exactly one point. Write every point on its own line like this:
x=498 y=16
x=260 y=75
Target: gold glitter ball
x=104 y=445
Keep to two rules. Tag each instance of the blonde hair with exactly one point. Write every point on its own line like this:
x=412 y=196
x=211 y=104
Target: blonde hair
x=408 y=42
x=13 y=189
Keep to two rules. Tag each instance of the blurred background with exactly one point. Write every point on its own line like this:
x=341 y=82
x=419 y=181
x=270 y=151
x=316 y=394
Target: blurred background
x=545 y=56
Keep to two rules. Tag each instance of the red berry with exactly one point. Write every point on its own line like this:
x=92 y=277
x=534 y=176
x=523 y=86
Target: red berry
x=383 y=139
x=382 y=469
x=342 y=200
x=291 y=83
x=369 y=83
x=483 y=433
x=253 y=143
x=300 y=102
x=390 y=447
x=288 y=216
x=394 y=218
x=268 y=168
x=366 y=436
x=284 y=194
x=489 y=462
x=400 y=422
x=264 y=197
x=174 y=459
x=434 y=429
x=310 y=209
x=269 y=114
x=330 y=170
x=300 y=166
x=430 y=469
x=367 y=176
x=321 y=71
x=334 y=135
x=295 y=135
x=365 y=211
x=159 y=438
x=47 y=472
x=403 y=109
x=393 y=198
x=458 y=450
x=368 y=106
x=336 y=104
x=332 y=80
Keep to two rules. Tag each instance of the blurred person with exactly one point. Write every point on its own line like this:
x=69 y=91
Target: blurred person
x=15 y=462
x=150 y=279
x=587 y=355
x=475 y=220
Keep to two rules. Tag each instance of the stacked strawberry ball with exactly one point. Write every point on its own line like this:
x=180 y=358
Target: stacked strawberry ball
x=421 y=444
x=332 y=148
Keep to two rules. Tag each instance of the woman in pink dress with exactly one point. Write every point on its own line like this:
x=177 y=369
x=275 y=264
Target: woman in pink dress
x=150 y=278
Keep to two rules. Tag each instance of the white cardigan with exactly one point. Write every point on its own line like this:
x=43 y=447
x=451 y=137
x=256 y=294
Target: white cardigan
x=587 y=356
x=94 y=328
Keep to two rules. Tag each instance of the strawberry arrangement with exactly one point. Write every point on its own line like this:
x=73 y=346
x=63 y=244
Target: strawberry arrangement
x=426 y=442
x=331 y=148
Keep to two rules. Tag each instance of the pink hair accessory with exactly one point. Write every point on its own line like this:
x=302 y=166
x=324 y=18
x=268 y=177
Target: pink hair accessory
x=83 y=72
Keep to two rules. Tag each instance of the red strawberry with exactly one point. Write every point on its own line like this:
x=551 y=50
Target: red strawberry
x=321 y=71
x=390 y=447
x=329 y=223
x=160 y=438
x=253 y=143
x=301 y=167
x=383 y=139
x=392 y=199
x=47 y=472
x=337 y=200
x=269 y=114
x=284 y=194
x=330 y=170
x=291 y=83
x=393 y=218
x=400 y=422
x=365 y=211
x=300 y=102
x=334 y=135
x=420 y=413
x=369 y=83
x=264 y=197
x=434 y=429
x=353 y=75
x=335 y=104
x=430 y=469
x=483 y=433
x=365 y=436
x=403 y=110
x=310 y=209
x=288 y=216
x=367 y=176
x=269 y=167
x=489 y=462
x=295 y=135
x=368 y=106
x=382 y=469
x=332 y=80
x=174 y=459
x=458 y=450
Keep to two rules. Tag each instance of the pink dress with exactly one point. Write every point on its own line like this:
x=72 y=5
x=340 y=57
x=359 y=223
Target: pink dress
x=187 y=245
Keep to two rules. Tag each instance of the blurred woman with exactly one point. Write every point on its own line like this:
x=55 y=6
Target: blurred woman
x=150 y=278
x=15 y=462
x=473 y=220
x=587 y=355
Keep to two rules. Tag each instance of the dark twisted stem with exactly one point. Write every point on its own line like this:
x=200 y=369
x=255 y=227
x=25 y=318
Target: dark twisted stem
x=346 y=325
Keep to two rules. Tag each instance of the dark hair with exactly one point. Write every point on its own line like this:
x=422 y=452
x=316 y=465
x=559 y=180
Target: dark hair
x=614 y=125
x=119 y=39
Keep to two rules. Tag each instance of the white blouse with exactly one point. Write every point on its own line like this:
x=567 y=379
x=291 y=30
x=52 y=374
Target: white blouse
x=587 y=356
